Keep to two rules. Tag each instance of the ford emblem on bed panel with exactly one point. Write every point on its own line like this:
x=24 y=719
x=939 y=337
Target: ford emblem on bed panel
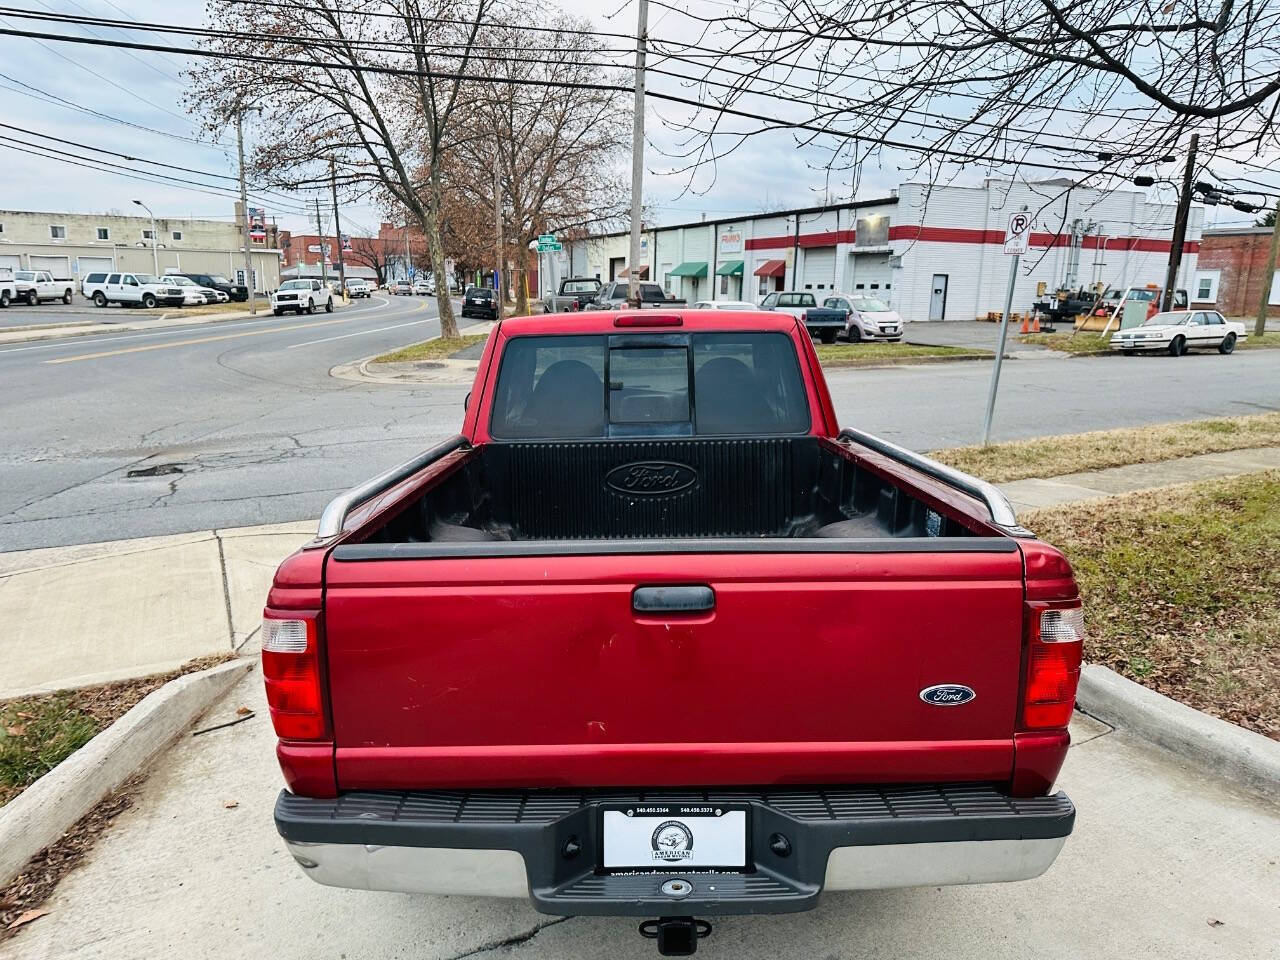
x=650 y=478
x=947 y=694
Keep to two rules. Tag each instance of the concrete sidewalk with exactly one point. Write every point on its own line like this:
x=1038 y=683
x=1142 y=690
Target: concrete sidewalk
x=1164 y=864
x=102 y=611
x=1036 y=492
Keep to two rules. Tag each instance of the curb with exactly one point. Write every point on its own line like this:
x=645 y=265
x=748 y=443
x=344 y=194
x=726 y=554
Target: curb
x=1228 y=751
x=158 y=323
x=48 y=808
x=445 y=370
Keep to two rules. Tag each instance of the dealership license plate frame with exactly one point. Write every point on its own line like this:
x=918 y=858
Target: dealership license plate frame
x=655 y=814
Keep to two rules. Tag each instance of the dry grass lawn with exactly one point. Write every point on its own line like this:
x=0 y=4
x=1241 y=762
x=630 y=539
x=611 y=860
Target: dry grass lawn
x=430 y=350
x=1071 y=453
x=1182 y=591
x=873 y=354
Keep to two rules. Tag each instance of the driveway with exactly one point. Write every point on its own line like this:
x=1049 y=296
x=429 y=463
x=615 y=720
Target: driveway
x=967 y=333
x=1165 y=863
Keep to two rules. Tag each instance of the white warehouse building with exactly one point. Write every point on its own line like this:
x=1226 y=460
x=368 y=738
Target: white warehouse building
x=934 y=253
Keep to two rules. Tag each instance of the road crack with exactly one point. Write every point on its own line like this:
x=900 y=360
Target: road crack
x=518 y=940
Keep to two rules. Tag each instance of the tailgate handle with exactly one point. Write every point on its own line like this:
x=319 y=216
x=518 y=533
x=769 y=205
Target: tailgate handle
x=693 y=599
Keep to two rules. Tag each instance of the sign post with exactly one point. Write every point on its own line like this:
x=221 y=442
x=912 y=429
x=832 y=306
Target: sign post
x=1015 y=245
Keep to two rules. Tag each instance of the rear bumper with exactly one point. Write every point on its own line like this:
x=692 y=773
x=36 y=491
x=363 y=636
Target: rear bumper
x=517 y=843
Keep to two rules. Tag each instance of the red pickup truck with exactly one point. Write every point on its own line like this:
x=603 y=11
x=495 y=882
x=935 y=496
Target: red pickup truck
x=654 y=637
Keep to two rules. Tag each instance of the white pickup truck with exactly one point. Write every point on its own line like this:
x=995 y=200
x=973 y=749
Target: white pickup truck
x=8 y=287
x=38 y=286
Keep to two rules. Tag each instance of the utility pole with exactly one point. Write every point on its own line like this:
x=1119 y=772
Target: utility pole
x=244 y=213
x=337 y=229
x=1260 y=323
x=408 y=261
x=499 y=267
x=1180 y=225
x=324 y=273
x=637 y=154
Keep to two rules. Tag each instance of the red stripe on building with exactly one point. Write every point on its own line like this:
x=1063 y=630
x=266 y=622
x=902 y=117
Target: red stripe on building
x=830 y=238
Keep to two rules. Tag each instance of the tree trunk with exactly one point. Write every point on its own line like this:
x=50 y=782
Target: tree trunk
x=448 y=323
x=522 y=278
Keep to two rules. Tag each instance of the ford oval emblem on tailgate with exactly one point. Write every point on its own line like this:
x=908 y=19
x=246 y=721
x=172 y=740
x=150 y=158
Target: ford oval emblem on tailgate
x=947 y=694
x=650 y=478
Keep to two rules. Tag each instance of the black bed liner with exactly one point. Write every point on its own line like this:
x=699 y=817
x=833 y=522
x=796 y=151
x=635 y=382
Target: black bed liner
x=761 y=488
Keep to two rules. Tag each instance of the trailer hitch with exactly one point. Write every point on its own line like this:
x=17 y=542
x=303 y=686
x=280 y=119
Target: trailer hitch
x=676 y=936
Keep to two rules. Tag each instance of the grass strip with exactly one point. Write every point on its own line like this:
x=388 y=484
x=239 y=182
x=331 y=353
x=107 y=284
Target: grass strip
x=430 y=349
x=1180 y=589
x=871 y=354
x=1075 y=452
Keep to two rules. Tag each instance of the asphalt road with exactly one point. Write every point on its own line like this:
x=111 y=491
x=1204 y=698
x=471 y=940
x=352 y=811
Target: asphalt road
x=244 y=425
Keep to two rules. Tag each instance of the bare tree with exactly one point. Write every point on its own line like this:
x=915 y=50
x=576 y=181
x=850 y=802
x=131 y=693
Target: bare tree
x=374 y=253
x=377 y=85
x=1093 y=87
x=556 y=128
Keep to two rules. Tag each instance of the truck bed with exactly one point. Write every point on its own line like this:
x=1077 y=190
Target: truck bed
x=751 y=488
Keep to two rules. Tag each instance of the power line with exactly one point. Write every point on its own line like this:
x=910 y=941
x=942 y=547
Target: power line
x=144 y=177
x=441 y=51
x=94 y=73
x=774 y=122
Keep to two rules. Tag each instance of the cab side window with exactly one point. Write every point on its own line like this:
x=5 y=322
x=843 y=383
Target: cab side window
x=770 y=301
x=114 y=278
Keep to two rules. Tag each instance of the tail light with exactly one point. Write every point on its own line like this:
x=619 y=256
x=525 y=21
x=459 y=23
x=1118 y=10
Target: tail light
x=647 y=319
x=804 y=315
x=291 y=670
x=1055 y=646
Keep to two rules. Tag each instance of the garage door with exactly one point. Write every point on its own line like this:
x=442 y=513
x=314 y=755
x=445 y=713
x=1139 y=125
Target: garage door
x=9 y=261
x=89 y=265
x=819 y=269
x=60 y=267
x=871 y=274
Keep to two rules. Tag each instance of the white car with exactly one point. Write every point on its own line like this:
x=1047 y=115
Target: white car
x=193 y=295
x=725 y=305
x=866 y=318
x=302 y=296
x=139 y=290
x=1179 y=331
x=357 y=287
x=38 y=286
x=424 y=287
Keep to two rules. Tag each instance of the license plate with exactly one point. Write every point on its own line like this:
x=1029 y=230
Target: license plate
x=671 y=837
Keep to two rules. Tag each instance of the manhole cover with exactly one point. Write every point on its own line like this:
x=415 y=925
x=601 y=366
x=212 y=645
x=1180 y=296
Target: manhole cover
x=157 y=470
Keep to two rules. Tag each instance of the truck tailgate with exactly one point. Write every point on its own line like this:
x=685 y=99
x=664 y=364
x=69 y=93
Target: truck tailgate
x=537 y=671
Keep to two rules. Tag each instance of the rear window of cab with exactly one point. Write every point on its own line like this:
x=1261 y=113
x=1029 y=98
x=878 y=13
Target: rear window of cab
x=702 y=384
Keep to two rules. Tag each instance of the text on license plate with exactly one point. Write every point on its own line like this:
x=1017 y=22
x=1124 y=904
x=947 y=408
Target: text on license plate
x=674 y=837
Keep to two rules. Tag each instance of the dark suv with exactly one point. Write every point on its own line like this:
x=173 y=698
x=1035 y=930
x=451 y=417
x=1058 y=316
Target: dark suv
x=480 y=302
x=236 y=291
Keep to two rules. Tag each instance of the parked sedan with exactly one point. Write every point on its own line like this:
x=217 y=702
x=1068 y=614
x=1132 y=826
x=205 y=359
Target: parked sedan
x=480 y=302
x=726 y=305
x=866 y=318
x=1178 y=331
x=193 y=295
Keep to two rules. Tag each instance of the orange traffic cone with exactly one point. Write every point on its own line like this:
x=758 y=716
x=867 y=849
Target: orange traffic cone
x=1026 y=328
x=1035 y=323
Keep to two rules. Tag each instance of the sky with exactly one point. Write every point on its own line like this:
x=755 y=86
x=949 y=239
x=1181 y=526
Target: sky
x=131 y=103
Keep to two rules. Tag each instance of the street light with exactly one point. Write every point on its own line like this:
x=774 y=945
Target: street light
x=155 y=257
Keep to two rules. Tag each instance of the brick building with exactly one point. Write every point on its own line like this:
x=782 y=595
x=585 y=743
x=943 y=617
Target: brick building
x=1232 y=269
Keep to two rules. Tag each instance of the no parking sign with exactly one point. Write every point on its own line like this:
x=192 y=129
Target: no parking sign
x=1019 y=232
